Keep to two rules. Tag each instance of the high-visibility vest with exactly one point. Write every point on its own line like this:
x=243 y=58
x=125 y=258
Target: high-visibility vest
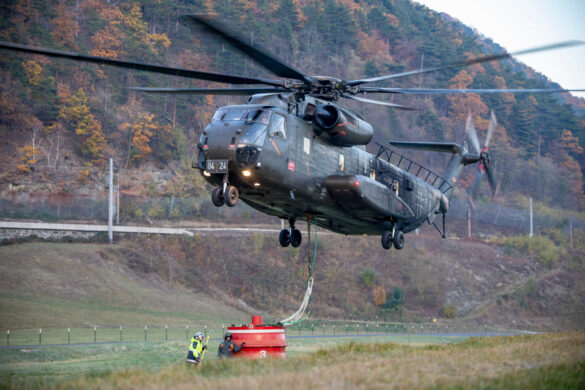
x=196 y=347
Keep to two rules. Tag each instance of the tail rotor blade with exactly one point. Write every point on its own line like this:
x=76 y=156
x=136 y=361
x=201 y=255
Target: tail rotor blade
x=491 y=180
x=471 y=133
x=476 y=182
x=492 y=126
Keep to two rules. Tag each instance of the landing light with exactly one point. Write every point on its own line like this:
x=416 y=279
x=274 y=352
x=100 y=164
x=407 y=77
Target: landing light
x=205 y=173
x=256 y=184
x=356 y=183
x=246 y=173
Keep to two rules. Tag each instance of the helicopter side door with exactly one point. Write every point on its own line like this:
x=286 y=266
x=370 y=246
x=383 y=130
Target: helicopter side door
x=275 y=155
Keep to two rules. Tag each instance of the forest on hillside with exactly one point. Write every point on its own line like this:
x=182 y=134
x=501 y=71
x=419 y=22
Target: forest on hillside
x=57 y=113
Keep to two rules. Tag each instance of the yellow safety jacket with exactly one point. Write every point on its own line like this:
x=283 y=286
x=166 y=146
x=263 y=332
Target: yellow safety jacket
x=195 y=349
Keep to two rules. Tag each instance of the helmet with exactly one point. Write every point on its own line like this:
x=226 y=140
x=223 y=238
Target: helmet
x=228 y=334
x=198 y=334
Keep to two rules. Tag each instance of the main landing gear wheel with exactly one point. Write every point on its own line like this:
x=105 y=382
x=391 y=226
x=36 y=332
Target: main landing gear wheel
x=296 y=238
x=387 y=239
x=398 y=239
x=284 y=238
x=217 y=197
x=231 y=196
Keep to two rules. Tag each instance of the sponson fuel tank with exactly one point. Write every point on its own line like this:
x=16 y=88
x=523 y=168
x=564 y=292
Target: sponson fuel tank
x=261 y=340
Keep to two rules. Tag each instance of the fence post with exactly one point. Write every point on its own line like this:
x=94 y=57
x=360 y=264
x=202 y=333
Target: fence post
x=222 y=330
x=312 y=329
x=68 y=335
x=120 y=333
x=145 y=328
x=333 y=329
x=40 y=336
x=166 y=332
x=95 y=334
x=367 y=329
x=205 y=331
x=346 y=329
x=187 y=333
x=8 y=338
x=323 y=328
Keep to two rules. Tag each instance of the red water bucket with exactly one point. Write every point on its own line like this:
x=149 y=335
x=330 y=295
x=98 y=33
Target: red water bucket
x=261 y=340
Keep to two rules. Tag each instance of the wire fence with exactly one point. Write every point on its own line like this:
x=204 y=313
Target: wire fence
x=124 y=334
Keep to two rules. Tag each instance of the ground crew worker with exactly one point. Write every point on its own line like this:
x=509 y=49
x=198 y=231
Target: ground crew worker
x=228 y=348
x=196 y=348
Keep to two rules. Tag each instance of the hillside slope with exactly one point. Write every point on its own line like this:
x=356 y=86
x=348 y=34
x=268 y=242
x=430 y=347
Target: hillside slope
x=59 y=116
x=49 y=284
x=78 y=285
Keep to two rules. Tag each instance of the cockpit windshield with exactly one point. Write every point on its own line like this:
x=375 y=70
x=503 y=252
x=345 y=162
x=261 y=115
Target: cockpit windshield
x=255 y=123
x=241 y=114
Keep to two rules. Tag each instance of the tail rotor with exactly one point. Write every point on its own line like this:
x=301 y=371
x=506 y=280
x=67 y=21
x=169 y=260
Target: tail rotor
x=484 y=159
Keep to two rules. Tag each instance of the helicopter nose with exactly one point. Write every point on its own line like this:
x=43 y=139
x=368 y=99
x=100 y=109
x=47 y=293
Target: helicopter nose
x=220 y=142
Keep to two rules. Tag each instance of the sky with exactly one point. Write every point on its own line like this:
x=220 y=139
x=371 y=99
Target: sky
x=524 y=24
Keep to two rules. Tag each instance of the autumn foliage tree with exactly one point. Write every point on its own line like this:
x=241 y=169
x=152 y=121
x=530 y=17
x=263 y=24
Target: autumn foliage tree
x=89 y=136
x=379 y=295
x=141 y=129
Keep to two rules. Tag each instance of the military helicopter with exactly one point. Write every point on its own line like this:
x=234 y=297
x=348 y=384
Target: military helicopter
x=292 y=152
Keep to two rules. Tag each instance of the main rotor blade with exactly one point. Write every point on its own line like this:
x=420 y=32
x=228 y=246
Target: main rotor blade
x=393 y=105
x=461 y=64
x=490 y=132
x=266 y=60
x=439 y=91
x=210 y=91
x=193 y=74
x=471 y=133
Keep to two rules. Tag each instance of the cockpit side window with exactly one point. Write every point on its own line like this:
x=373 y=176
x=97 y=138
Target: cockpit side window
x=258 y=116
x=277 y=127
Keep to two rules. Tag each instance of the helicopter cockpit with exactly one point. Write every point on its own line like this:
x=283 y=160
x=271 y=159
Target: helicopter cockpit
x=246 y=129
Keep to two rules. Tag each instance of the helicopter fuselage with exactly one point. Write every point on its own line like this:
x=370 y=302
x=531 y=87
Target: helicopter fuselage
x=281 y=167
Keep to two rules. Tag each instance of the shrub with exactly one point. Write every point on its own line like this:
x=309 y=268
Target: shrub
x=448 y=311
x=396 y=300
x=368 y=277
x=379 y=295
x=541 y=249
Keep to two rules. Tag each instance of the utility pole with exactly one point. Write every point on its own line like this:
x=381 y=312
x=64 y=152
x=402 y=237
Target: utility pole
x=468 y=221
x=111 y=203
x=118 y=201
x=531 y=226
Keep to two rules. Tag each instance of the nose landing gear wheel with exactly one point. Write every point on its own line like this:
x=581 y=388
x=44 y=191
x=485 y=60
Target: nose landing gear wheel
x=231 y=196
x=284 y=238
x=296 y=238
x=399 y=240
x=387 y=239
x=217 y=197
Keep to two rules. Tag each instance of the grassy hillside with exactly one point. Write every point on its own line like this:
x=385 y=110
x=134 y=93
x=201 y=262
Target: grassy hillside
x=180 y=280
x=74 y=285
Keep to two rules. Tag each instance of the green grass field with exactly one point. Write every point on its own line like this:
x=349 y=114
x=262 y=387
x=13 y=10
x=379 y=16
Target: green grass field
x=549 y=361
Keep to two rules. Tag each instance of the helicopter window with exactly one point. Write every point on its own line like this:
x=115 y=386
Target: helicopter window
x=258 y=116
x=254 y=134
x=277 y=128
x=228 y=115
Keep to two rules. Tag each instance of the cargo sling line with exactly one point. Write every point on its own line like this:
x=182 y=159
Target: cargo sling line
x=300 y=315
